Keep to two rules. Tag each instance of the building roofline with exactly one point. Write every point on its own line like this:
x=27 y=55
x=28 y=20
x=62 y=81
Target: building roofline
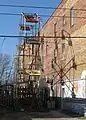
x=51 y=14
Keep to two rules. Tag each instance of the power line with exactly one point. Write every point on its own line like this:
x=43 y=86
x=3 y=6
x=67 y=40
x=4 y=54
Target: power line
x=38 y=7
x=2 y=43
x=17 y=14
x=62 y=16
x=17 y=36
x=10 y=14
x=24 y=6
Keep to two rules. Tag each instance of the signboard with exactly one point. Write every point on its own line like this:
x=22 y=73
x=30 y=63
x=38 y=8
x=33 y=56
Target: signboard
x=34 y=72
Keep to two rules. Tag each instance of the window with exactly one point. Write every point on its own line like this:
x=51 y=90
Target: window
x=64 y=21
x=32 y=48
x=47 y=47
x=55 y=29
x=72 y=16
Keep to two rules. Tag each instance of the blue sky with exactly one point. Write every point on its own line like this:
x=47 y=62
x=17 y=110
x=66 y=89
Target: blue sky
x=9 y=24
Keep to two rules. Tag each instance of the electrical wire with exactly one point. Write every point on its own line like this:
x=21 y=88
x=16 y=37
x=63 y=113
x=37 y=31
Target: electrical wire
x=38 y=7
x=2 y=43
x=42 y=15
x=10 y=14
x=24 y=6
x=17 y=36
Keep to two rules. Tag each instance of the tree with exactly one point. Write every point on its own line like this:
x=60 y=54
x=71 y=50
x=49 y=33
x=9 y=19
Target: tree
x=4 y=65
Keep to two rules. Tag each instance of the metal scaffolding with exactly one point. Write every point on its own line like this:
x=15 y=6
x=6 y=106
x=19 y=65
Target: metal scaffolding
x=63 y=62
x=29 y=59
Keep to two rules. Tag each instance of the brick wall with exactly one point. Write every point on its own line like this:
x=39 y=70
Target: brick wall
x=78 y=29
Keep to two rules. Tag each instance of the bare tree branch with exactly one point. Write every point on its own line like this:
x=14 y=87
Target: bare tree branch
x=4 y=64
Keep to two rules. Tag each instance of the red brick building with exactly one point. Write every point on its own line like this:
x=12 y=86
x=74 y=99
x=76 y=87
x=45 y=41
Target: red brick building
x=69 y=17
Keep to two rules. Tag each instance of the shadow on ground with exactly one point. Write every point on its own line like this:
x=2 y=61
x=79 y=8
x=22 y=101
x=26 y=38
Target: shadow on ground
x=53 y=114
x=13 y=115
